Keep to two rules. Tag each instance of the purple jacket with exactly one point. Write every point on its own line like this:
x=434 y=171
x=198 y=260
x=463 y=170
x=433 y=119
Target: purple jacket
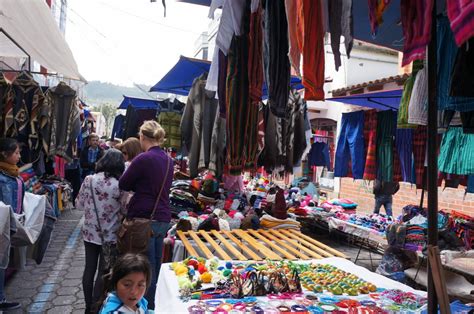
x=144 y=176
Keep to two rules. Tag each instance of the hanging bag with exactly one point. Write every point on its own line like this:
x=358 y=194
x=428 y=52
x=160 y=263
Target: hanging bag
x=109 y=249
x=134 y=234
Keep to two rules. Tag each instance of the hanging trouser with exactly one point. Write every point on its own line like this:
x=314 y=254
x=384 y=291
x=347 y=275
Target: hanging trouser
x=350 y=145
x=420 y=137
x=237 y=97
x=386 y=128
x=370 y=136
x=313 y=50
x=404 y=143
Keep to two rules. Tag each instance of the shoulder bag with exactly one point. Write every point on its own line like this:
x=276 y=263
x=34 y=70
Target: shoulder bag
x=134 y=234
x=109 y=249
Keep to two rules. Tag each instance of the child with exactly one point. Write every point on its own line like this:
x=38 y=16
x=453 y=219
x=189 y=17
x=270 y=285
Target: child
x=128 y=282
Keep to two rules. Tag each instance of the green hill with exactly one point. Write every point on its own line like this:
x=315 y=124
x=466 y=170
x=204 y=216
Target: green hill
x=96 y=93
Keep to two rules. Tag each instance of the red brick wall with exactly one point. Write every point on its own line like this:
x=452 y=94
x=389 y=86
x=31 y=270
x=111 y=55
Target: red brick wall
x=449 y=199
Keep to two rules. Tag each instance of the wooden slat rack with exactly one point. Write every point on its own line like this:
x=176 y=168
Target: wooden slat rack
x=257 y=245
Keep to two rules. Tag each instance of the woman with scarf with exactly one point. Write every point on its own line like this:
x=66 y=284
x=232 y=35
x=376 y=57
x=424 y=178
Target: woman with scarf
x=12 y=190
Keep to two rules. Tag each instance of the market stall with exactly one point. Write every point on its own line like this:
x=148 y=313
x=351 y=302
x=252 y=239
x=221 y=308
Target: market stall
x=377 y=291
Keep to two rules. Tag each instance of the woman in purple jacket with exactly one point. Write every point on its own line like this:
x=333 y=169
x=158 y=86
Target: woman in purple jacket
x=145 y=176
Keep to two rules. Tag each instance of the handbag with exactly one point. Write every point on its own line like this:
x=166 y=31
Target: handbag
x=109 y=249
x=134 y=234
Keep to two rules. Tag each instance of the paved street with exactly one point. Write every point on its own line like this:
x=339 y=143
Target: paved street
x=55 y=286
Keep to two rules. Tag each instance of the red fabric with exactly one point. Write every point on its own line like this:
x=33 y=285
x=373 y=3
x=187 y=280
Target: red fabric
x=416 y=24
x=255 y=65
x=460 y=13
x=397 y=166
x=313 y=50
x=420 y=137
x=370 y=137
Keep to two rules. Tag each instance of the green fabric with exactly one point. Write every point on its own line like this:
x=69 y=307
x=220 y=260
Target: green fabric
x=386 y=127
x=402 y=121
x=456 y=154
x=170 y=121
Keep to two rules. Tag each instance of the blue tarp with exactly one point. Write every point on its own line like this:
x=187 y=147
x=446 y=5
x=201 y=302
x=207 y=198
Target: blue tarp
x=139 y=103
x=389 y=33
x=379 y=100
x=179 y=79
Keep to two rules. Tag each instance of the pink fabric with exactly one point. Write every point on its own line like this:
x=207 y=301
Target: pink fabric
x=460 y=13
x=233 y=183
x=59 y=166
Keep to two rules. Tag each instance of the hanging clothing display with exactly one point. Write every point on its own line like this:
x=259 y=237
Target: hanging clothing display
x=117 y=130
x=5 y=97
x=402 y=120
x=340 y=23
x=404 y=145
x=460 y=14
x=386 y=128
x=134 y=118
x=237 y=93
x=197 y=124
x=295 y=140
x=420 y=137
x=218 y=145
x=418 y=104
x=64 y=119
x=370 y=136
x=171 y=121
x=293 y=9
x=319 y=155
x=376 y=10
x=276 y=62
x=416 y=24
x=456 y=154
x=447 y=51
x=350 y=145
x=462 y=84
x=313 y=50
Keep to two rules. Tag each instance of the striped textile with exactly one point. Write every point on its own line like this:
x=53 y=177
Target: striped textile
x=386 y=128
x=460 y=13
x=370 y=136
x=457 y=152
x=420 y=137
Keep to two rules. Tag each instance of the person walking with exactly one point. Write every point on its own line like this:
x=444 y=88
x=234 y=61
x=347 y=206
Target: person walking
x=100 y=198
x=383 y=193
x=149 y=173
x=12 y=190
x=90 y=155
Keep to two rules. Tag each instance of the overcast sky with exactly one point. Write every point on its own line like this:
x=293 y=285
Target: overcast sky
x=130 y=41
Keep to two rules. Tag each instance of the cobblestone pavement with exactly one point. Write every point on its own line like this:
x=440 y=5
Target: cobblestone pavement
x=55 y=286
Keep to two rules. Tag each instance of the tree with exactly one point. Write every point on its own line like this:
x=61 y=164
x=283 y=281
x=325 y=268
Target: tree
x=109 y=112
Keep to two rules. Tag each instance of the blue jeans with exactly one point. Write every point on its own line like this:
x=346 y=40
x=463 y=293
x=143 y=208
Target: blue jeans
x=155 y=253
x=386 y=201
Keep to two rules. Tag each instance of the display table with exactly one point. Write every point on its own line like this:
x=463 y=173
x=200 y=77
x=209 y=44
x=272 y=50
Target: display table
x=257 y=245
x=167 y=292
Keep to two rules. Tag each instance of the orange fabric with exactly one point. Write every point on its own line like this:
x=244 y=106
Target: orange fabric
x=313 y=50
x=294 y=31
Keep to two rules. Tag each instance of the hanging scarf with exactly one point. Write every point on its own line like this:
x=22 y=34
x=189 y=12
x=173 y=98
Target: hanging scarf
x=10 y=169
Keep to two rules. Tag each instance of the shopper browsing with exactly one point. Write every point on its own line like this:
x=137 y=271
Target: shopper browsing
x=383 y=192
x=131 y=148
x=100 y=198
x=128 y=282
x=90 y=155
x=12 y=191
x=150 y=176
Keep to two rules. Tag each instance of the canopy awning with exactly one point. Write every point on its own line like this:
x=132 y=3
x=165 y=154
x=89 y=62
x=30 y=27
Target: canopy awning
x=388 y=35
x=389 y=99
x=139 y=103
x=179 y=79
x=35 y=34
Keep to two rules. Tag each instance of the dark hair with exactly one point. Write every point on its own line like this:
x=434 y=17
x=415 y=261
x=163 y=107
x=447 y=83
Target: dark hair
x=7 y=147
x=112 y=163
x=126 y=264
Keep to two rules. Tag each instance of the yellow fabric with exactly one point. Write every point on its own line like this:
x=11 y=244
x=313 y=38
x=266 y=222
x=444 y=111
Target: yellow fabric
x=9 y=168
x=60 y=199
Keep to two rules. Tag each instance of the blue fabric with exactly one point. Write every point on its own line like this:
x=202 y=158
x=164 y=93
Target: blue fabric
x=319 y=155
x=470 y=184
x=380 y=100
x=350 y=145
x=404 y=142
x=447 y=51
x=117 y=130
x=155 y=252
x=386 y=201
x=92 y=155
x=9 y=191
x=179 y=79
x=139 y=103
x=113 y=303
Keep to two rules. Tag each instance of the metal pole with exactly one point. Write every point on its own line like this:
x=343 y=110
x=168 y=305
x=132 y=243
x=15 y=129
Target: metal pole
x=432 y=157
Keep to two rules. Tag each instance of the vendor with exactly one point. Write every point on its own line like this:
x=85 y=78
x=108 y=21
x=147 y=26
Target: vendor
x=12 y=191
x=383 y=193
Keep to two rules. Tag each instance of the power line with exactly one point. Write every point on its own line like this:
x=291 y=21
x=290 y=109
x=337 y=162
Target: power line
x=85 y=21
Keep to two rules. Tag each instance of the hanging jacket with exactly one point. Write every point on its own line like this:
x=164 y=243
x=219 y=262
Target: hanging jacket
x=6 y=101
x=64 y=117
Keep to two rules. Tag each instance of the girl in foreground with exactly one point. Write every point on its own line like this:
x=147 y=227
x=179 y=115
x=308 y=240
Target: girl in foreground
x=128 y=282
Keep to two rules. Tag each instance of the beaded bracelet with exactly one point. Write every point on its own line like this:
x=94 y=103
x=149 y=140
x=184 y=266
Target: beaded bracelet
x=298 y=308
x=328 y=307
x=213 y=302
x=196 y=309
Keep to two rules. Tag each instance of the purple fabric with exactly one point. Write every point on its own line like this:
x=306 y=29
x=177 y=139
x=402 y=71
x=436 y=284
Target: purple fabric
x=144 y=176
